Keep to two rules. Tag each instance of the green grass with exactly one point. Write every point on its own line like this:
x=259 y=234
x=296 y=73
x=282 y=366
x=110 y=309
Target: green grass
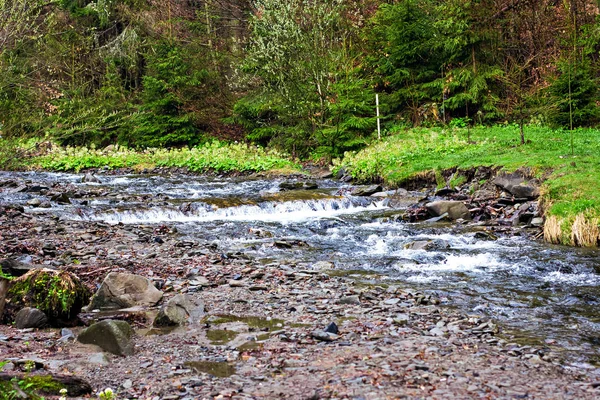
x=211 y=157
x=572 y=184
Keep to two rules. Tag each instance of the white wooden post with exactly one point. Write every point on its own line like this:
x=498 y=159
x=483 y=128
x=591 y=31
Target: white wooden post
x=378 y=123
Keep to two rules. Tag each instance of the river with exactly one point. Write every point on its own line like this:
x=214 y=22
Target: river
x=535 y=290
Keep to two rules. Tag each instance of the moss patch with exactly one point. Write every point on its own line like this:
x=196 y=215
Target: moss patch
x=59 y=294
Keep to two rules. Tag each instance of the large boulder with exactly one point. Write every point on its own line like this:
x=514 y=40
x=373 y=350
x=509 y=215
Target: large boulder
x=121 y=290
x=180 y=310
x=454 y=209
x=58 y=294
x=516 y=185
x=112 y=336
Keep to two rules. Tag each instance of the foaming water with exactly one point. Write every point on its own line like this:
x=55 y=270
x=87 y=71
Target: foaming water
x=283 y=213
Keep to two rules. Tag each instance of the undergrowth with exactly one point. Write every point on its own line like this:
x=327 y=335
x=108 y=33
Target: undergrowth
x=215 y=156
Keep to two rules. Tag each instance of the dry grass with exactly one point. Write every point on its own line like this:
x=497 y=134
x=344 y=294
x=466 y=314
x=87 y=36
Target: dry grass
x=553 y=229
x=585 y=232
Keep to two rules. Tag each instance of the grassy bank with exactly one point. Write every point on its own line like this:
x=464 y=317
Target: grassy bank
x=570 y=194
x=211 y=157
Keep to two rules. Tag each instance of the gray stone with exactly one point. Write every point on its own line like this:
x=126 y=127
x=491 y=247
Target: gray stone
x=112 y=336
x=427 y=245
x=349 y=300
x=454 y=209
x=14 y=267
x=61 y=198
x=90 y=178
x=180 y=310
x=120 y=290
x=516 y=185
x=34 y=202
x=323 y=265
x=30 y=318
x=538 y=221
x=298 y=186
x=324 y=336
x=366 y=191
x=401 y=319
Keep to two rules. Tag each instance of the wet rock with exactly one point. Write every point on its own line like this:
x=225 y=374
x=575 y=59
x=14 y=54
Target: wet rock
x=34 y=202
x=90 y=178
x=30 y=318
x=366 y=191
x=454 y=209
x=61 y=198
x=298 y=186
x=121 y=290
x=485 y=235
x=180 y=310
x=112 y=336
x=427 y=245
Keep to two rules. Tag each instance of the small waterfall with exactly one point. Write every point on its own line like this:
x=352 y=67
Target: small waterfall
x=270 y=211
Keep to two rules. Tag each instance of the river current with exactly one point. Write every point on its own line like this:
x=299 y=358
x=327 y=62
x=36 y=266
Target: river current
x=547 y=293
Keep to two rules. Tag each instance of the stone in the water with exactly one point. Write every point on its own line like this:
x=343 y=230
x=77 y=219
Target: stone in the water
x=90 y=178
x=121 y=290
x=30 y=317
x=332 y=328
x=180 y=310
x=366 y=191
x=298 y=186
x=61 y=198
x=427 y=245
x=34 y=202
x=454 y=209
x=112 y=336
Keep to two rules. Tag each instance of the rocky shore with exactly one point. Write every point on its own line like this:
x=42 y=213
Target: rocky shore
x=255 y=330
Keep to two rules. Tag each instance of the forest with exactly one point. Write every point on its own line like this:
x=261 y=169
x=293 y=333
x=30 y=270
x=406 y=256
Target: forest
x=300 y=76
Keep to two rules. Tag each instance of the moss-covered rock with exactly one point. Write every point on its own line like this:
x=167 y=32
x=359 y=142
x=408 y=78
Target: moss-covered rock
x=59 y=294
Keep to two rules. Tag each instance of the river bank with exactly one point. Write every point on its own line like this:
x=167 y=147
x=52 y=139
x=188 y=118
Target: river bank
x=263 y=332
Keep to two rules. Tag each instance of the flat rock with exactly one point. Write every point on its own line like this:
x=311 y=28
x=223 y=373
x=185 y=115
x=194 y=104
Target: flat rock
x=349 y=300
x=180 y=310
x=112 y=336
x=366 y=190
x=121 y=290
x=454 y=209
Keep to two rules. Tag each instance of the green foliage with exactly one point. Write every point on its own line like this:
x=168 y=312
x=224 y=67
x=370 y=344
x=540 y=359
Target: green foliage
x=163 y=120
x=583 y=100
x=311 y=97
x=213 y=156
